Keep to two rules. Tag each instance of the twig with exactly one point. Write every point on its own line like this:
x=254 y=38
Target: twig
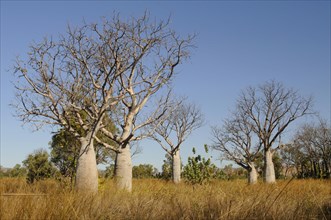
x=265 y=214
x=324 y=216
x=22 y=194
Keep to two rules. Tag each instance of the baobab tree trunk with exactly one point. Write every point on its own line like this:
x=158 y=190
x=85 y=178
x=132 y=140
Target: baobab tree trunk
x=87 y=172
x=252 y=176
x=123 y=169
x=269 y=169
x=176 y=167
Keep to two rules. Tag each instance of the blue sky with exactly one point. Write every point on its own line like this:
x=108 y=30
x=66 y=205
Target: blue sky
x=239 y=44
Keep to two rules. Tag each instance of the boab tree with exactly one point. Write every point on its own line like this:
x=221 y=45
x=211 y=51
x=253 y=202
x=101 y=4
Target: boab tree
x=59 y=84
x=65 y=149
x=270 y=108
x=237 y=142
x=173 y=130
x=153 y=51
x=93 y=71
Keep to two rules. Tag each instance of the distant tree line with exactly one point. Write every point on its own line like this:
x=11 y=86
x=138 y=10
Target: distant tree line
x=309 y=154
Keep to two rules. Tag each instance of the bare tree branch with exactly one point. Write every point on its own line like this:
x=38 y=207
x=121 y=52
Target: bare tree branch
x=236 y=141
x=174 y=128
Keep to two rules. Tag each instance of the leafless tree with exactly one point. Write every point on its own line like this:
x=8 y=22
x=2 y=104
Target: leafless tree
x=153 y=51
x=172 y=130
x=59 y=84
x=237 y=142
x=93 y=71
x=270 y=108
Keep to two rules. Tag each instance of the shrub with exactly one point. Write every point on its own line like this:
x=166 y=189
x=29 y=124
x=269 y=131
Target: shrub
x=39 y=166
x=199 y=170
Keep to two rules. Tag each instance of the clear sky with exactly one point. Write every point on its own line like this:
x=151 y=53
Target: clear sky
x=239 y=44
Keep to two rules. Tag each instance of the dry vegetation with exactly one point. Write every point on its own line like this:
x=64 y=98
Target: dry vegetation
x=156 y=199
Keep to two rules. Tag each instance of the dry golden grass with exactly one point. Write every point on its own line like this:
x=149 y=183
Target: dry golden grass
x=156 y=199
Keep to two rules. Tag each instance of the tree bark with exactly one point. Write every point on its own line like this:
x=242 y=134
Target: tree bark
x=123 y=169
x=327 y=169
x=87 y=172
x=176 y=167
x=269 y=169
x=252 y=177
x=315 y=175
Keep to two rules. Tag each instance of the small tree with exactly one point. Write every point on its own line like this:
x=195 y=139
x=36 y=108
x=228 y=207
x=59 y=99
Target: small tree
x=198 y=170
x=236 y=142
x=166 y=168
x=65 y=153
x=39 y=166
x=172 y=130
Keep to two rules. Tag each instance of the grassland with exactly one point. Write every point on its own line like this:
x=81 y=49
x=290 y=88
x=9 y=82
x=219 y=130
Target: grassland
x=156 y=199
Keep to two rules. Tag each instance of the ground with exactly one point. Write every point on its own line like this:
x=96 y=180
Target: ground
x=157 y=199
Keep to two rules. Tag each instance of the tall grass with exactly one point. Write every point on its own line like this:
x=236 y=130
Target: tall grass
x=156 y=199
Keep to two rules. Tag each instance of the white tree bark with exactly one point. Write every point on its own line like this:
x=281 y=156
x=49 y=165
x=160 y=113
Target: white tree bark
x=87 y=172
x=252 y=177
x=269 y=169
x=176 y=167
x=123 y=169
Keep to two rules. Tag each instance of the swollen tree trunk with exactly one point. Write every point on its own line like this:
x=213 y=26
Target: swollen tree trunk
x=123 y=169
x=269 y=169
x=252 y=177
x=87 y=173
x=176 y=167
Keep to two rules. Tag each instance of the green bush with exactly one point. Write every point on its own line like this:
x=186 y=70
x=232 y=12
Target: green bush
x=199 y=170
x=39 y=166
x=17 y=171
x=144 y=171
